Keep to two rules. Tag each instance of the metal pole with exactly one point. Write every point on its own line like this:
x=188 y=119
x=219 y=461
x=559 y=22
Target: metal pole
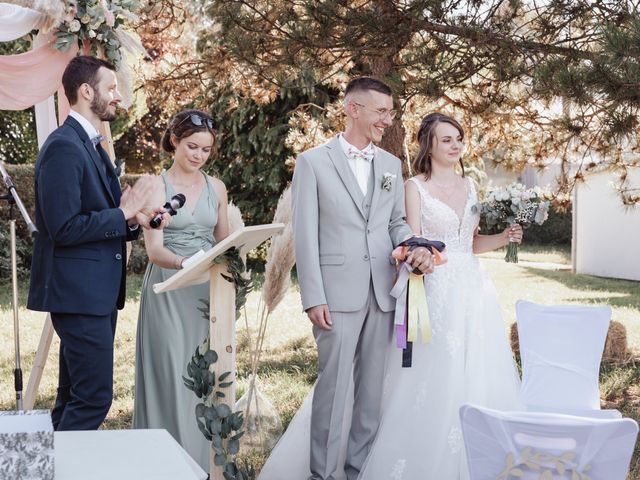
x=16 y=326
x=13 y=198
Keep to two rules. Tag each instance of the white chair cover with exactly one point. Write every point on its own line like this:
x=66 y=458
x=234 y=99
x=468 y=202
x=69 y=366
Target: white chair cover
x=525 y=445
x=561 y=347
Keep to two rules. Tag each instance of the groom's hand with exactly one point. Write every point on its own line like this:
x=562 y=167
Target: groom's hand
x=320 y=316
x=422 y=259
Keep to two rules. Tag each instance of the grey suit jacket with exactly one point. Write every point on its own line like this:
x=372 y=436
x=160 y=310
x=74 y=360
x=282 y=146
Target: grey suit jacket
x=340 y=250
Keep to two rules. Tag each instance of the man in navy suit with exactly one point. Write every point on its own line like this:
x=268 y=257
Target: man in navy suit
x=79 y=256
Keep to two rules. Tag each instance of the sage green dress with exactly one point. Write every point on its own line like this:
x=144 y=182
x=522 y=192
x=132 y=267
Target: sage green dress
x=170 y=327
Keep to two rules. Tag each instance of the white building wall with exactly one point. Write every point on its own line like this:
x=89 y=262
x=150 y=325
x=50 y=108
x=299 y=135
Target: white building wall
x=606 y=234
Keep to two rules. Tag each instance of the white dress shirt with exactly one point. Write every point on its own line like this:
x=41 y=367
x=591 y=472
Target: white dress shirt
x=84 y=123
x=359 y=164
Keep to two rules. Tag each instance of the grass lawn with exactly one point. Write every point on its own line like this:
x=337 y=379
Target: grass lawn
x=288 y=369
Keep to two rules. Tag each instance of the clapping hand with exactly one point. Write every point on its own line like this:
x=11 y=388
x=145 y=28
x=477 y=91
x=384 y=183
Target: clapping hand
x=135 y=201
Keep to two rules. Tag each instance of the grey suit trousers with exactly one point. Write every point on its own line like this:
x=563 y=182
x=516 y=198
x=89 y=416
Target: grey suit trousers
x=356 y=344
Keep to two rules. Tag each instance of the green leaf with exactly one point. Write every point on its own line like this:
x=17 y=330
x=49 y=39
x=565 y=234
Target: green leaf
x=219 y=459
x=204 y=430
x=233 y=447
x=211 y=356
x=237 y=420
x=215 y=426
x=210 y=413
x=223 y=410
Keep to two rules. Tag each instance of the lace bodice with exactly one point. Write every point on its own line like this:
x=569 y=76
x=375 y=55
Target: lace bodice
x=441 y=222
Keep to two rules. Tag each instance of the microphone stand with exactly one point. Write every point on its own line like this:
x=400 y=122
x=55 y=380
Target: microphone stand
x=12 y=199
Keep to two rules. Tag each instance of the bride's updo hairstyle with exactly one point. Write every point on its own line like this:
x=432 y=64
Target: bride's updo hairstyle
x=185 y=124
x=426 y=139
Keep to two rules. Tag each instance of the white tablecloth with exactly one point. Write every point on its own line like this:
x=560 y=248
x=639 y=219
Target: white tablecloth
x=122 y=455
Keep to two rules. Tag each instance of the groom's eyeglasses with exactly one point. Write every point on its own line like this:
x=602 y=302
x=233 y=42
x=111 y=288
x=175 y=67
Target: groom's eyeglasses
x=382 y=112
x=199 y=121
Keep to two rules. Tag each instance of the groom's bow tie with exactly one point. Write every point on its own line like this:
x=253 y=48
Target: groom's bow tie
x=366 y=154
x=97 y=139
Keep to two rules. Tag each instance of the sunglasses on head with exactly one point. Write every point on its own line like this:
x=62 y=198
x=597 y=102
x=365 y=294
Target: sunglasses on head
x=199 y=121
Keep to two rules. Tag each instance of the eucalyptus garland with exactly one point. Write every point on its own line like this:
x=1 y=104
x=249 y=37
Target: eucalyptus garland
x=216 y=419
x=238 y=276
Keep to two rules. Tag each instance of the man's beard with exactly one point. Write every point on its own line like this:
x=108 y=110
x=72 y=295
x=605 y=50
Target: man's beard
x=100 y=107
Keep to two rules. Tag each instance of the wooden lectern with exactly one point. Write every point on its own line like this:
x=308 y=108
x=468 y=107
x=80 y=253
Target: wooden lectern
x=222 y=298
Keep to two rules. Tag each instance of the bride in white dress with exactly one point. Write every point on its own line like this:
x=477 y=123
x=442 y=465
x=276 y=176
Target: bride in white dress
x=468 y=358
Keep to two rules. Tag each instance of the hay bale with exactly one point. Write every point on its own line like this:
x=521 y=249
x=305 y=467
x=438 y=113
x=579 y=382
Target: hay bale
x=515 y=343
x=616 y=347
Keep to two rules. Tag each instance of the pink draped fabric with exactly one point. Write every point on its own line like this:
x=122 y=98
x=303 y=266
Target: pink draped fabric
x=29 y=78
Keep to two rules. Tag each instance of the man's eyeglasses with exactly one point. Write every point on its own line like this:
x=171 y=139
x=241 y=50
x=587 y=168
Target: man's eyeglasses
x=382 y=112
x=199 y=121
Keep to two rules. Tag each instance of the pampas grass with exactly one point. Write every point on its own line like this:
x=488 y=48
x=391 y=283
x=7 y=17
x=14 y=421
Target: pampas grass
x=280 y=261
x=280 y=256
x=235 y=218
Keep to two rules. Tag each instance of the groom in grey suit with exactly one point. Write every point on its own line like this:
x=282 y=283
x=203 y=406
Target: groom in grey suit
x=348 y=215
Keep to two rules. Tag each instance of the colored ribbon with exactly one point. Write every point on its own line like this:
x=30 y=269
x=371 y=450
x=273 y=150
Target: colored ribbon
x=409 y=290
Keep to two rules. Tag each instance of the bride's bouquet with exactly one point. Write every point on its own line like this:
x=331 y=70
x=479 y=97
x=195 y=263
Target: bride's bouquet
x=513 y=204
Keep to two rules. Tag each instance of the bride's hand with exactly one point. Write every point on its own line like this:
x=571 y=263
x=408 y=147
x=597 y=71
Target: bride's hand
x=422 y=259
x=513 y=233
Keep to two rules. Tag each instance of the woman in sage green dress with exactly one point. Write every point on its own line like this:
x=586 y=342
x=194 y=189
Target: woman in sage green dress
x=170 y=326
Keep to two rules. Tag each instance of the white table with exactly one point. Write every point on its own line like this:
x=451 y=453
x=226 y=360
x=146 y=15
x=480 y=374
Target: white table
x=122 y=455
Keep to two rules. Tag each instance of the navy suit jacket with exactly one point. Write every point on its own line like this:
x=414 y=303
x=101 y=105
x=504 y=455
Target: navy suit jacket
x=79 y=255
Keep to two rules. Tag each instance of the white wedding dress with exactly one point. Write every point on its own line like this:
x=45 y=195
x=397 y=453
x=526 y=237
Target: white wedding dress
x=468 y=360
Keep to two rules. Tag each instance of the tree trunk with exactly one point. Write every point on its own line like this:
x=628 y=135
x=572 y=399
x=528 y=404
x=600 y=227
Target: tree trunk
x=382 y=66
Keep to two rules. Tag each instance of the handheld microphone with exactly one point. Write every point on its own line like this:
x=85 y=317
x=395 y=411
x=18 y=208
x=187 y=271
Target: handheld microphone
x=171 y=207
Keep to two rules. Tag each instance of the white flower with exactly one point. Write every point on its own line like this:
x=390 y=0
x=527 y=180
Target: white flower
x=74 y=26
x=387 y=180
x=542 y=213
x=92 y=34
x=86 y=18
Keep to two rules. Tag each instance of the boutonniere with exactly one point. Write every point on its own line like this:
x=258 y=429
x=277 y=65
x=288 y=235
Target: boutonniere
x=119 y=167
x=387 y=181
